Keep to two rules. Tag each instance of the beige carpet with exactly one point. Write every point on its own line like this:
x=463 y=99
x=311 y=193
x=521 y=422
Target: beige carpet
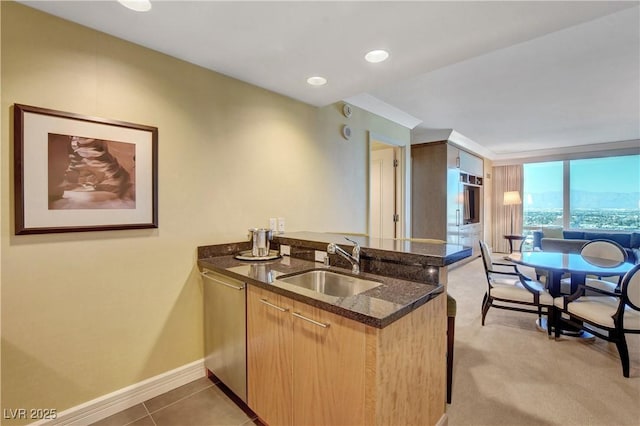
x=509 y=373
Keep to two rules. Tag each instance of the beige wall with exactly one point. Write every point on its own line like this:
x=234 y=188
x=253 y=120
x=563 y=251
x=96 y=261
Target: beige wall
x=84 y=314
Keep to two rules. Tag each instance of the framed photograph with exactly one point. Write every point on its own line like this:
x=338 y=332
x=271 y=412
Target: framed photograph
x=75 y=173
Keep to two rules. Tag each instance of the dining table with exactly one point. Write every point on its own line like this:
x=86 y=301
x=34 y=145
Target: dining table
x=577 y=266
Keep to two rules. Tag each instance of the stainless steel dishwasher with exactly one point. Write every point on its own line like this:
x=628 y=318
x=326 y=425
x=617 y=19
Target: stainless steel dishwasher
x=225 y=330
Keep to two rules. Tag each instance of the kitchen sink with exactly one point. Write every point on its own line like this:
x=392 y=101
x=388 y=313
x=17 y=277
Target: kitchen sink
x=330 y=282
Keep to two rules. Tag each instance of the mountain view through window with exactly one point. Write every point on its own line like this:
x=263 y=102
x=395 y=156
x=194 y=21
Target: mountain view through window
x=603 y=193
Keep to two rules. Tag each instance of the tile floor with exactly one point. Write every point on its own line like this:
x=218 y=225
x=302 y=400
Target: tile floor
x=202 y=402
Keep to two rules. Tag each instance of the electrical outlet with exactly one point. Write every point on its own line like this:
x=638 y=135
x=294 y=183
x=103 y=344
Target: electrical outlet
x=281 y=225
x=320 y=255
x=273 y=223
x=285 y=250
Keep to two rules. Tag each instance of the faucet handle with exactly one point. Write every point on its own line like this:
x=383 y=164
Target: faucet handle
x=331 y=248
x=350 y=240
x=356 y=248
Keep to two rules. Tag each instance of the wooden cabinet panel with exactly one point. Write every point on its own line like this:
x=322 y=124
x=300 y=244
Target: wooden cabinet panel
x=438 y=182
x=411 y=368
x=329 y=368
x=269 y=353
x=429 y=191
x=301 y=373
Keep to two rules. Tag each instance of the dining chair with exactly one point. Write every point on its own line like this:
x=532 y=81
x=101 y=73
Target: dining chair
x=609 y=316
x=509 y=289
x=599 y=249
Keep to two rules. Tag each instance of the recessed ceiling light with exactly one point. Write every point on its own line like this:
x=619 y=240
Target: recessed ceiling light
x=137 y=5
x=317 y=81
x=376 y=56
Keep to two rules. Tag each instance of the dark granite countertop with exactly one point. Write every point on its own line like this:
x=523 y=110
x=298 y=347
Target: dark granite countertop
x=407 y=270
x=377 y=307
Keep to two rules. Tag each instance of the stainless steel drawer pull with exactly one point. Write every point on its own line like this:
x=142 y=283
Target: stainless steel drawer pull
x=296 y=314
x=204 y=274
x=273 y=306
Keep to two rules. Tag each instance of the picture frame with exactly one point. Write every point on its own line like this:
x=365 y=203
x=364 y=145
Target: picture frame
x=75 y=173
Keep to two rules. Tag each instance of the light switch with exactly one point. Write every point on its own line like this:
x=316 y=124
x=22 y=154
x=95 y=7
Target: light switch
x=281 y=225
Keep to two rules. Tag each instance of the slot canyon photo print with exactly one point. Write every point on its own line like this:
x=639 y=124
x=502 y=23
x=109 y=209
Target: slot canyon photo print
x=78 y=173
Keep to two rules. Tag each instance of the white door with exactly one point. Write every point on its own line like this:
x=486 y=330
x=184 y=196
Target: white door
x=382 y=193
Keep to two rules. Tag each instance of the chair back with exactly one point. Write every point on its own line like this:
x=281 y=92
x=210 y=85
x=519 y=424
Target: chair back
x=486 y=257
x=630 y=288
x=604 y=249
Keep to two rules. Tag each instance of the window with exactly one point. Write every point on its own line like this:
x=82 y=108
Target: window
x=543 y=194
x=603 y=193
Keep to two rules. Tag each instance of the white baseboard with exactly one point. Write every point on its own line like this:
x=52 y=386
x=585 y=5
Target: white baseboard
x=114 y=402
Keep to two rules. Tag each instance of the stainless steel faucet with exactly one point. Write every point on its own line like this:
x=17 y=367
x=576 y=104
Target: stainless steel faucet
x=353 y=258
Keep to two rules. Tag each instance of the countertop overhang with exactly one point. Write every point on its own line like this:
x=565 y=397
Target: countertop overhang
x=405 y=250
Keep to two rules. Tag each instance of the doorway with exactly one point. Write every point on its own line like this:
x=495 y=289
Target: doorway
x=386 y=171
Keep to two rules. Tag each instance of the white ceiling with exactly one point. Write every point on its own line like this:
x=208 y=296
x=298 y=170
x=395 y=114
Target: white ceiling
x=513 y=77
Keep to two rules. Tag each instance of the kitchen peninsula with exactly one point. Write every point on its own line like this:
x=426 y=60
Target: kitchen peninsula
x=376 y=357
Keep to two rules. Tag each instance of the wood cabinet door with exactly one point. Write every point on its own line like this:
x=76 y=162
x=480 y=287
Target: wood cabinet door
x=269 y=352
x=329 y=368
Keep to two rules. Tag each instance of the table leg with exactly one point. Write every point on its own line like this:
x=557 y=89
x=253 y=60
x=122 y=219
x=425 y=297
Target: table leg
x=553 y=284
x=577 y=279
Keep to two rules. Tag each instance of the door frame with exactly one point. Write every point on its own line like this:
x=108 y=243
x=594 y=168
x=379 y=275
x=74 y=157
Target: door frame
x=402 y=182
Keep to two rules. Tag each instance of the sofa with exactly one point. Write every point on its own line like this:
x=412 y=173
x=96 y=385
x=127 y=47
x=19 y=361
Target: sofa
x=559 y=240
